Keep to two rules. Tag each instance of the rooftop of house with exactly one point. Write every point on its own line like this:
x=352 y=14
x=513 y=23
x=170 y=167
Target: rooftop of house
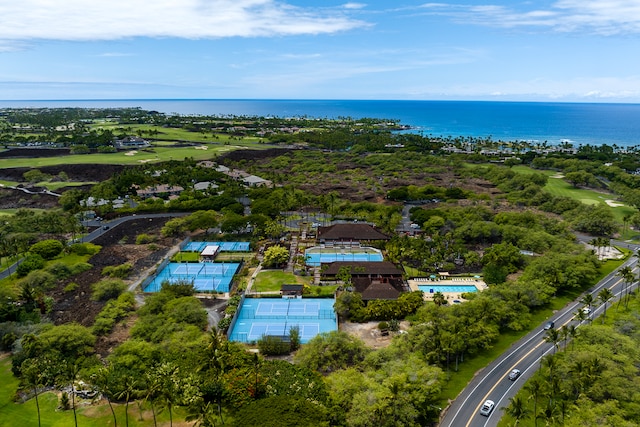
x=350 y=231
x=363 y=268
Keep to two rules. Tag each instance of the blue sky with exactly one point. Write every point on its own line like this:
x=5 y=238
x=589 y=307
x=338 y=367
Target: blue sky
x=564 y=50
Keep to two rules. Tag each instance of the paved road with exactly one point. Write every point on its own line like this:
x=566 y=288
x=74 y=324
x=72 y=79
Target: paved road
x=526 y=354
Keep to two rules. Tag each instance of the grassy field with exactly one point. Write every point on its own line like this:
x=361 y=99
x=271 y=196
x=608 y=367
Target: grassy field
x=559 y=187
x=25 y=414
x=153 y=155
x=271 y=280
x=156 y=133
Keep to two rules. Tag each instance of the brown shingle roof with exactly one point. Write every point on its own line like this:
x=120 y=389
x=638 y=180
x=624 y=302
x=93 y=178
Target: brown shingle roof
x=364 y=268
x=380 y=290
x=350 y=231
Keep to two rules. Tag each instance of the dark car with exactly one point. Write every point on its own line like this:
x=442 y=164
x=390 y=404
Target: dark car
x=549 y=325
x=514 y=374
x=105 y=227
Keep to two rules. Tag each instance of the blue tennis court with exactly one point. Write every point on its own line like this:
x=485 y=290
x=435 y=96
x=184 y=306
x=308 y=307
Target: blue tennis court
x=276 y=316
x=224 y=246
x=317 y=256
x=205 y=276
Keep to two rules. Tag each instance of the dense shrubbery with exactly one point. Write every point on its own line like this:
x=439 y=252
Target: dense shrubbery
x=30 y=263
x=112 y=313
x=107 y=289
x=119 y=271
x=47 y=249
x=350 y=306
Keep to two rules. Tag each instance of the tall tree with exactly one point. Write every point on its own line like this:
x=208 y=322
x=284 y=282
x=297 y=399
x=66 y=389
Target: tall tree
x=605 y=296
x=517 y=409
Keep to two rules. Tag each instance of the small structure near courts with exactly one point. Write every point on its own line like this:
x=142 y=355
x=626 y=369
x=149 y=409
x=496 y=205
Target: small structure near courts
x=291 y=291
x=209 y=253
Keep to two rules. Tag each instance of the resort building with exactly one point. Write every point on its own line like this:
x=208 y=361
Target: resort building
x=345 y=234
x=374 y=280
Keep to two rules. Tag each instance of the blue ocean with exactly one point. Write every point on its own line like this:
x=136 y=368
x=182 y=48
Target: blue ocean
x=554 y=123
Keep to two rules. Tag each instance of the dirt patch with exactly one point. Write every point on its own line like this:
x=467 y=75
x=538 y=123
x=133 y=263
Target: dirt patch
x=370 y=334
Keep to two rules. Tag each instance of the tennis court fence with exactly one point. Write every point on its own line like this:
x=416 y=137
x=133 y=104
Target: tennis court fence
x=321 y=314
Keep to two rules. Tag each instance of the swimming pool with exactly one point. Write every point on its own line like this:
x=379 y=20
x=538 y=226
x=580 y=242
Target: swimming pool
x=431 y=289
x=205 y=276
x=276 y=316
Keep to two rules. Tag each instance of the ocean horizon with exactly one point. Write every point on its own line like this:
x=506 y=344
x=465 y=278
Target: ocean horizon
x=537 y=122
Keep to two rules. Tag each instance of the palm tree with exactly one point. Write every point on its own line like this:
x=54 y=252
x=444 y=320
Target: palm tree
x=69 y=374
x=103 y=380
x=626 y=273
x=587 y=300
x=534 y=387
x=128 y=388
x=572 y=330
x=604 y=296
x=552 y=336
x=34 y=375
x=517 y=409
x=580 y=316
x=439 y=299
x=564 y=334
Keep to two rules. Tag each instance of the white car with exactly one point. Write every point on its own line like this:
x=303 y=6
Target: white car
x=586 y=310
x=513 y=375
x=487 y=407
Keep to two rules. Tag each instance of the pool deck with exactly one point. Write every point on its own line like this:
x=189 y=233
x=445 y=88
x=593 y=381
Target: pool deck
x=455 y=281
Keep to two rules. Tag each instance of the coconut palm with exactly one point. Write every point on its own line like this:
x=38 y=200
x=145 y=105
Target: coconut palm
x=587 y=300
x=552 y=336
x=439 y=299
x=534 y=387
x=605 y=296
x=626 y=273
x=517 y=409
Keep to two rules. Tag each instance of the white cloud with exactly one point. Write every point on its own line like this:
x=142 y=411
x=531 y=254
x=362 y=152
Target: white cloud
x=115 y=19
x=604 y=17
x=354 y=5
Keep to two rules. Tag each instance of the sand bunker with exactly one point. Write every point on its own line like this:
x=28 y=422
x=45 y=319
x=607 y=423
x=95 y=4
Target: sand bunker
x=145 y=160
x=558 y=175
x=202 y=147
x=613 y=203
x=131 y=153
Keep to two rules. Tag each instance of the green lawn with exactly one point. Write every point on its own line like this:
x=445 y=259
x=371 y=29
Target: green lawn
x=177 y=134
x=559 y=187
x=99 y=415
x=271 y=280
x=134 y=157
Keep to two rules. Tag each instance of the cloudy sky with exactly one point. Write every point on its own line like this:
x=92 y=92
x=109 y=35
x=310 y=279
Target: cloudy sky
x=563 y=50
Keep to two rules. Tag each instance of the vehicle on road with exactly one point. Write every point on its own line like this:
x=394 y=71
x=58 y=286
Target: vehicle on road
x=514 y=374
x=549 y=325
x=586 y=310
x=487 y=407
x=105 y=227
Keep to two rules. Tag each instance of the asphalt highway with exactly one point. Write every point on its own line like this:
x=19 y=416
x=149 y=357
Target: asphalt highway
x=526 y=354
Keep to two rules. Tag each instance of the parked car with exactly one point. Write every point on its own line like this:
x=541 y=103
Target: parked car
x=487 y=407
x=514 y=374
x=549 y=325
